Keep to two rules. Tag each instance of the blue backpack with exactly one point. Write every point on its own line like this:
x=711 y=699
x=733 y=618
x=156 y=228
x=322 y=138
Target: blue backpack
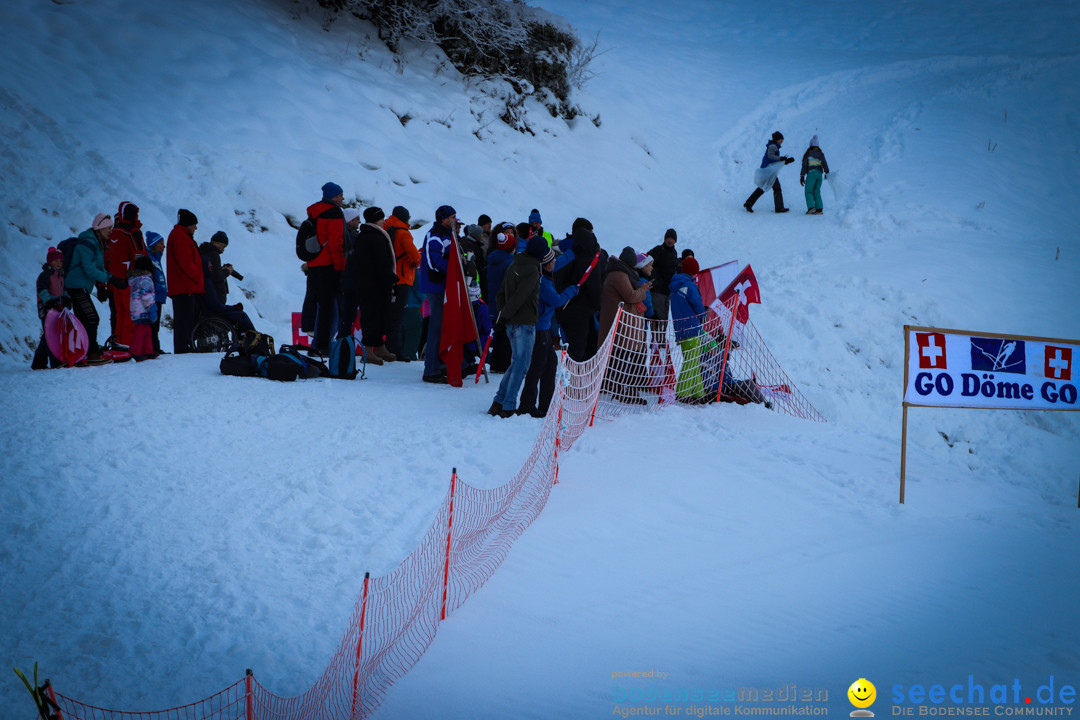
x=342 y=362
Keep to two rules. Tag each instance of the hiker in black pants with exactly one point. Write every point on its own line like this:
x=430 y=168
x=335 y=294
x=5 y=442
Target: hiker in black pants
x=765 y=177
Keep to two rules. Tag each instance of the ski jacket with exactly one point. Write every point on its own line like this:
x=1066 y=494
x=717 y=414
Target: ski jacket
x=772 y=154
x=161 y=285
x=813 y=159
x=143 y=304
x=87 y=266
x=183 y=264
x=518 y=299
x=620 y=286
x=330 y=230
x=433 y=259
x=550 y=298
x=498 y=262
x=687 y=310
x=406 y=256
x=125 y=244
x=584 y=246
x=216 y=274
x=372 y=264
x=665 y=265
x=50 y=287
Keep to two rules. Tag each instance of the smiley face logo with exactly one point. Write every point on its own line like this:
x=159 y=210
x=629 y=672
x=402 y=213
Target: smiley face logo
x=862 y=695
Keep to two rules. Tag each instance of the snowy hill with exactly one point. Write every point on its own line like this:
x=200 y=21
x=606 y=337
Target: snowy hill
x=165 y=527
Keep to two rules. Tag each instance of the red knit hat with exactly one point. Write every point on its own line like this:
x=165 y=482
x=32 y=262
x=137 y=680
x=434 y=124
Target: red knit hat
x=690 y=266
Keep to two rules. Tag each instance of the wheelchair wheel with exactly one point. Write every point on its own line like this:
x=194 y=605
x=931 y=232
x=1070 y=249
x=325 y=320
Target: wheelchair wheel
x=212 y=334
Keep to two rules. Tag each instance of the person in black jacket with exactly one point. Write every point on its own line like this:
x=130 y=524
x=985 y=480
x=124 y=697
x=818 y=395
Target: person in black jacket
x=219 y=273
x=665 y=265
x=371 y=269
x=577 y=319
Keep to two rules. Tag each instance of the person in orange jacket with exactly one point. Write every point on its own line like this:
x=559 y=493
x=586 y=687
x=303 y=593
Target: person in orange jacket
x=184 y=276
x=125 y=244
x=324 y=272
x=407 y=259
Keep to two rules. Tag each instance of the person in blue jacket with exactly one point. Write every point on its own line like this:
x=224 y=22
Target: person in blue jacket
x=766 y=176
x=544 y=363
x=155 y=248
x=434 y=258
x=687 y=314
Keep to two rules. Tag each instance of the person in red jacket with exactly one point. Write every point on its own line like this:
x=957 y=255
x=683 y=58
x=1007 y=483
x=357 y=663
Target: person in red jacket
x=125 y=244
x=324 y=272
x=184 y=276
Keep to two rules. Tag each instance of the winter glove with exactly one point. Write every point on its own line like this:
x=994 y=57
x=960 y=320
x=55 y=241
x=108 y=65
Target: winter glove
x=825 y=176
x=789 y=160
x=102 y=292
x=574 y=290
x=53 y=304
x=118 y=282
x=802 y=181
x=65 y=301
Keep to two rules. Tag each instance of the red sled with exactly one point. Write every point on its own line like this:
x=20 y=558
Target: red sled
x=66 y=337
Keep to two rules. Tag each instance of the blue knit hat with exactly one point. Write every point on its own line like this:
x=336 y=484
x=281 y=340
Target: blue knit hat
x=444 y=212
x=152 y=238
x=534 y=216
x=331 y=190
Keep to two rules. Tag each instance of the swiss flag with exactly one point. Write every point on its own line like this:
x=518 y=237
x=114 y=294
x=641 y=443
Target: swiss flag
x=931 y=350
x=746 y=287
x=711 y=280
x=458 y=325
x=1058 y=363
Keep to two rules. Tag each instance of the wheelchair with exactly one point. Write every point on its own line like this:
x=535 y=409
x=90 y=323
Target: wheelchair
x=213 y=334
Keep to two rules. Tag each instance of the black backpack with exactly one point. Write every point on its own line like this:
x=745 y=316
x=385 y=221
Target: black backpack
x=308 y=246
x=290 y=364
x=67 y=247
x=256 y=343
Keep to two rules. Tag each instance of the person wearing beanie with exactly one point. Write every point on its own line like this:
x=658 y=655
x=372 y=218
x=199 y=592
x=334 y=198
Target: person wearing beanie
x=687 y=315
x=155 y=250
x=215 y=272
x=666 y=260
x=539 y=385
x=125 y=244
x=687 y=252
x=406 y=260
x=324 y=272
x=577 y=318
x=184 y=275
x=814 y=170
x=644 y=267
x=766 y=176
x=369 y=281
x=50 y=295
x=626 y=372
x=498 y=261
x=333 y=193
x=434 y=258
x=518 y=303
x=536 y=227
x=86 y=270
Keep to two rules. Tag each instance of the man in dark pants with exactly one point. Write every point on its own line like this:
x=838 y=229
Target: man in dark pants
x=184 y=273
x=665 y=265
x=577 y=318
x=766 y=175
x=324 y=272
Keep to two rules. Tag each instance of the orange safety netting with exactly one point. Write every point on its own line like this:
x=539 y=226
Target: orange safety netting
x=643 y=364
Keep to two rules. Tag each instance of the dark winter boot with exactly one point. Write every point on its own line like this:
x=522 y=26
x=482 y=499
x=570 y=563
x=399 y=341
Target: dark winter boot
x=749 y=204
x=495 y=409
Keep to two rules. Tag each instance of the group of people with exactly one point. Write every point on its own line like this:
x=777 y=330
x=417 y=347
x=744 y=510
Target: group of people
x=814 y=170
x=530 y=294
x=119 y=263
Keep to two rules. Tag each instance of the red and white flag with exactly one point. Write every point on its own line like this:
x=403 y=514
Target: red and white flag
x=458 y=325
x=744 y=285
x=711 y=280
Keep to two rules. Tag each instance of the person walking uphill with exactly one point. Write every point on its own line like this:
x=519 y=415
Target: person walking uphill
x=814 y=170
x=324 y=272
x=765 y=177
x=519 y=307
x=184 y=276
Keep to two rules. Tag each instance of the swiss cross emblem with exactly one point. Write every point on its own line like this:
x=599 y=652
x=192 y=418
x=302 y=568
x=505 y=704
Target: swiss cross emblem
x=741 y=289
x=1058 y=363
x=931 y=350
